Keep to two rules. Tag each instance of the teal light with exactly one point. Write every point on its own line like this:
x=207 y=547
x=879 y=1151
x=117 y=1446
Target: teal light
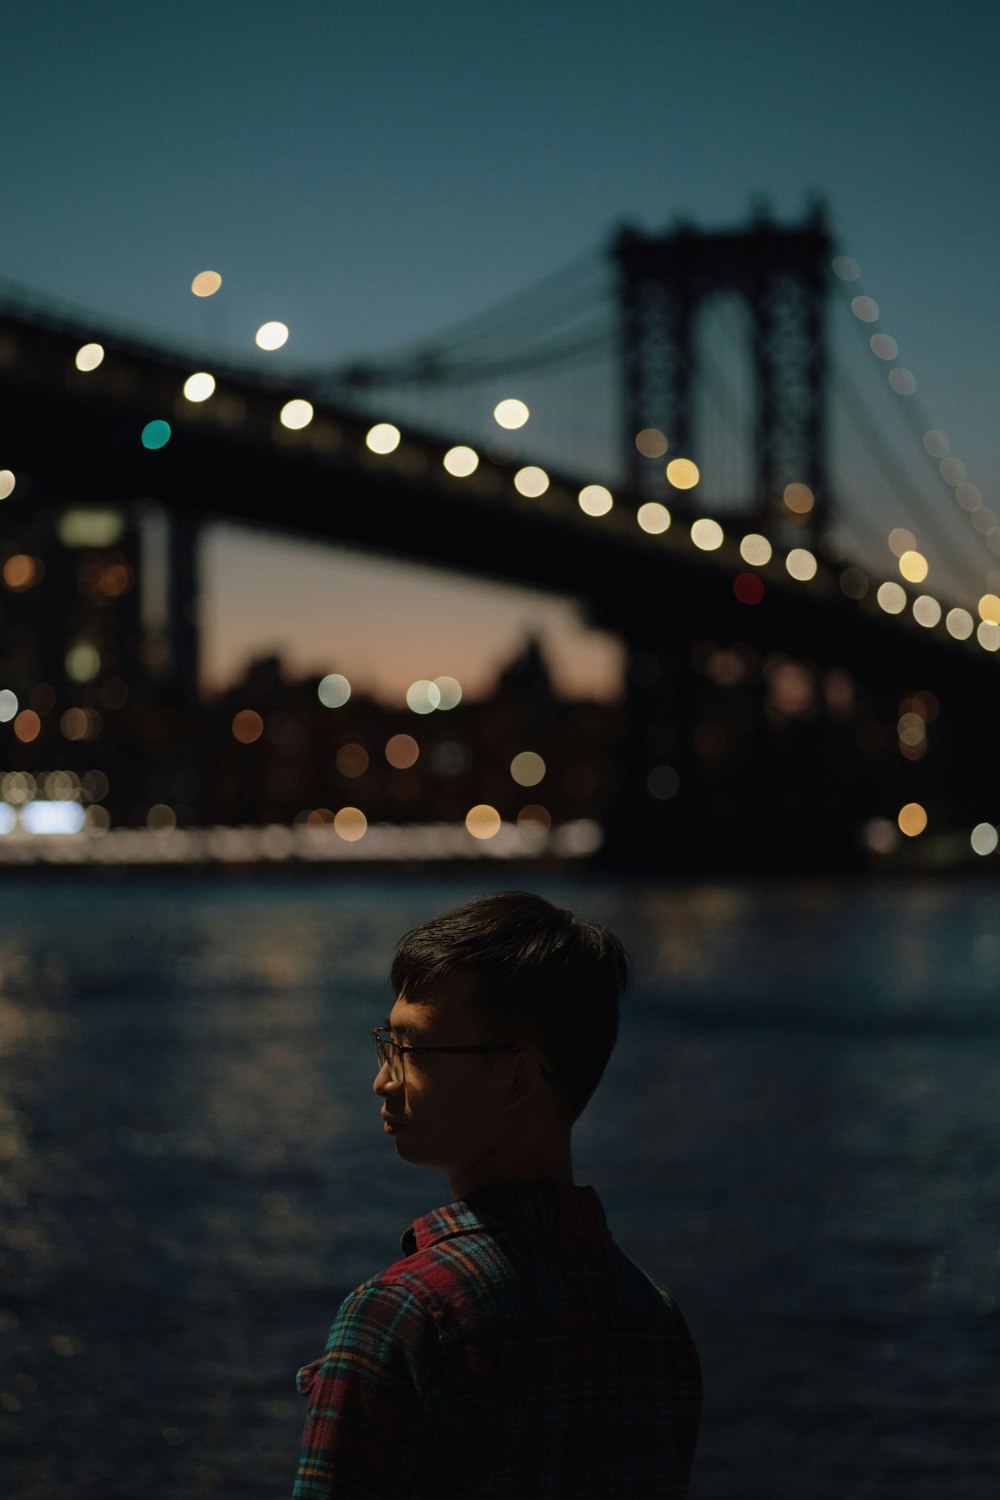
x=155 y=434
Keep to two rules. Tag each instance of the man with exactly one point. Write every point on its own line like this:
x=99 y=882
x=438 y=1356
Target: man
x=514 y=1351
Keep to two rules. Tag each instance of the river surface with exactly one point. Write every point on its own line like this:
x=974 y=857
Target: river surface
x=799 y=1133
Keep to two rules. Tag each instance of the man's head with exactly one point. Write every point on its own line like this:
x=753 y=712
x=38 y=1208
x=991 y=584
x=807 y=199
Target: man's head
x=509 y=971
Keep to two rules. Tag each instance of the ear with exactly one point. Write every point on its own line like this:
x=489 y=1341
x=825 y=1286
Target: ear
x=523 y=1075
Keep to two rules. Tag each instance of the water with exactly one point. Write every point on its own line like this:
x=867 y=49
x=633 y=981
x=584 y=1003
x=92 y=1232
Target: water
x=797 y=1133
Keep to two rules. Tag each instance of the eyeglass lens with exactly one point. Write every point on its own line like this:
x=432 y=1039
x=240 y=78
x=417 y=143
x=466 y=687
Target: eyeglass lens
x=388 y=1053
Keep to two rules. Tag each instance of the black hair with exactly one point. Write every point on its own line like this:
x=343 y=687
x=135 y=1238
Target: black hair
x=539 y=975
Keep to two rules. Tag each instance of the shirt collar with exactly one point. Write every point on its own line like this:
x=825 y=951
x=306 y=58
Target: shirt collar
x=535 y=1203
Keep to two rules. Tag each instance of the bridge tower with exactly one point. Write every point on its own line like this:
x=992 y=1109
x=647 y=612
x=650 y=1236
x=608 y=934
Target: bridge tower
x=781 y=275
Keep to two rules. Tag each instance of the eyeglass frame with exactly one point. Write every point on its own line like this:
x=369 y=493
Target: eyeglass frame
x=402 y=1047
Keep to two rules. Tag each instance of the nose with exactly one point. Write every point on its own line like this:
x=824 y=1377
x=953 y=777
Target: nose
x=384 y=1081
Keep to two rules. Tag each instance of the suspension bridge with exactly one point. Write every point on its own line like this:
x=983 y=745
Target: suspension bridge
x=707 y=439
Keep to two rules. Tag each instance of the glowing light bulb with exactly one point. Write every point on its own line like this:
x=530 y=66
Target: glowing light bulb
x=891 y=598
x=706 y=534
x=271 y=335
x=801 y=564
x=510 y=413
x=755 y=549
x=156 y=434
x=683 y=473
x=206 y=283
x=926 y=610
x=912 y=819
x=383 y=438
x=653 y=517
x=595 y=500
x=913 y=567
x=483 y=821
x=199 y=387
x=296 y=414
x=531 y=481
x=89 y=356
x=461 y=461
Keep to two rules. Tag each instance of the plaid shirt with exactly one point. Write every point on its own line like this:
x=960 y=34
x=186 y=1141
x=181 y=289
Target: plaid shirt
x=514 y=1352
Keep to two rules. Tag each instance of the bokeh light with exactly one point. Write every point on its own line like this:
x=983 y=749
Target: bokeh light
x=350 y=824
x=482 y=821
x=83 y=662
x=683 y=473
x=247 y=726
x=903 y=382
x=595 y=500
x=382 y=438
x=461 y=461
x=891 y=598
x=706 y=534
x=854 y=583
x=8 y=705
x=926 y=610
x=531 y=481
x=748 y=588
x=510 y=413
x=7 y=482
x=527 y=768
x=451 y=692
x=27 y=726
x=534 y=820
x=937 y=443
x=21 y=572
x=206 y=283
x=653 y=517
x=423 y=696
x=755 y=549
x=959 y=623
x=402 y=751
x=333 y=690
x=156 y=434
x=912 y=819
x=89 y=356
x=883 y=346
x=799 y=499
x=989 y=608
x=651 y=442
x=296 y=414
x=663 y=783
x=969 y=496
x=352 y=760
x=984 y=838
x=952 y=470
x=988 y=635
x=271 y=335
x=865 y=308
x=161 y=819
x=801 y=564
x=913 y=567
x=200 y=386
x=901 y=540
x=846 y=268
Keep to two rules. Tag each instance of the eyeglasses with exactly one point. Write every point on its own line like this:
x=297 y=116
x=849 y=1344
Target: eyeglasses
x=391 y=1053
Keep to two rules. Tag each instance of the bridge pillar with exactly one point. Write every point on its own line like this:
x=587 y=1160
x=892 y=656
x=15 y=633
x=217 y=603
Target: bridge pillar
x=782 y=276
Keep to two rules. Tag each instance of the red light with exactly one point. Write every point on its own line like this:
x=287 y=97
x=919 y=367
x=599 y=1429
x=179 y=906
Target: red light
x=748 y=588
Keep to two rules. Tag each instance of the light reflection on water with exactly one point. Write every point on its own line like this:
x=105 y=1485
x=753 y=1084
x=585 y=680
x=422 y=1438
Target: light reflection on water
x=797 y=1133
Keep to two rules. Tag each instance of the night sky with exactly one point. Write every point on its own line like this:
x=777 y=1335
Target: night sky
x=369 y=174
